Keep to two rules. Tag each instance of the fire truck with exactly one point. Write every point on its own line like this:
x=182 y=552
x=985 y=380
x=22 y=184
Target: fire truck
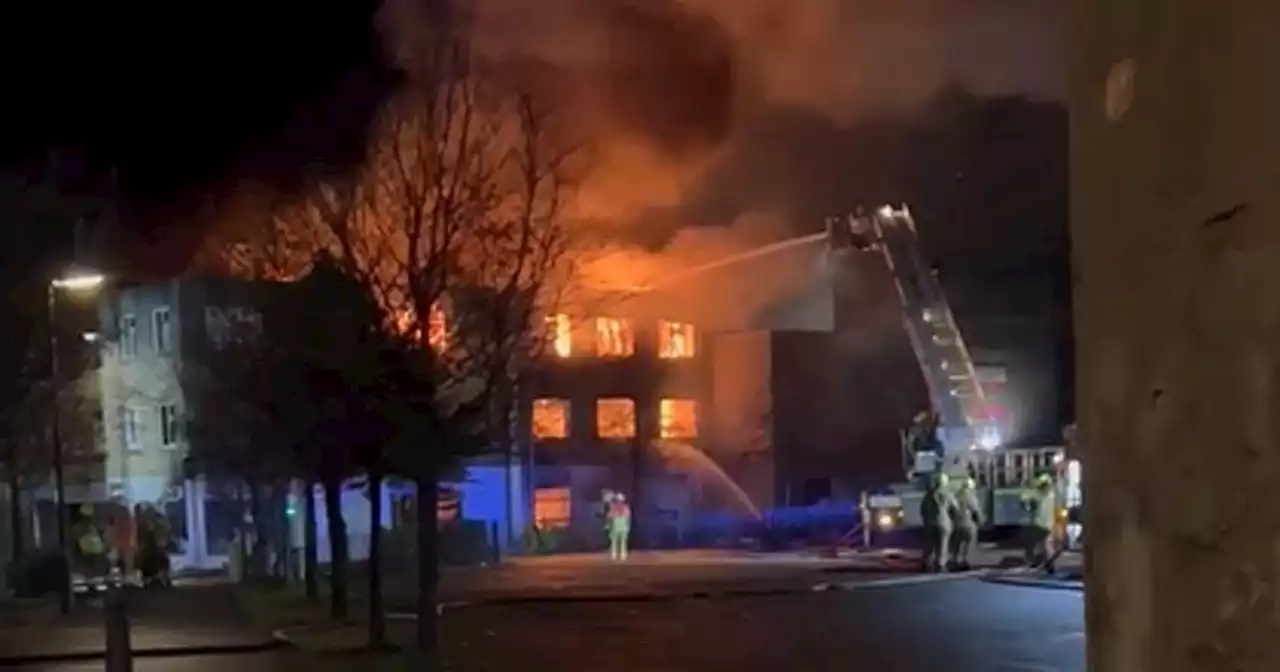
x=959 y=436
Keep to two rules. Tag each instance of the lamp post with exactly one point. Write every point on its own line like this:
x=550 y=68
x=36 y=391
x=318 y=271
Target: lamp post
x=75 y=282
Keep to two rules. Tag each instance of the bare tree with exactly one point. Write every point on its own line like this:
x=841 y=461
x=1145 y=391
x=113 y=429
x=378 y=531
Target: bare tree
x=455 y=224
x=27 y=419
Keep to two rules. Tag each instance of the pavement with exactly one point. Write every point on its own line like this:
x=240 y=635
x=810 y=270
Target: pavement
x=595 y=576
x=277 y=661
x=672 y=574
x=163 y=623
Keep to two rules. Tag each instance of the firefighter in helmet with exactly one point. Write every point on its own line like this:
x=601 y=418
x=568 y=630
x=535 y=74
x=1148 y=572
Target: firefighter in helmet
x=968 y=520
x=936 y=511
x=1040 y=504
x=619 y=527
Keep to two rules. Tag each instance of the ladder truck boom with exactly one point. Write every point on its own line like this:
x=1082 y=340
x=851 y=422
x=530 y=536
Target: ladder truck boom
x=949 y=373
x=970 y=440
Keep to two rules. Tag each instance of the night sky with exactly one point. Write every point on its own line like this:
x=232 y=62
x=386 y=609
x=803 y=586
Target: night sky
x=705 y=112
x=182 y=98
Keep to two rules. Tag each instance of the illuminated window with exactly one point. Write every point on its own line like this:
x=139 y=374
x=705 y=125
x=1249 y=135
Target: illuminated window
x=437 y=326
x=677 y=418
x=560 y=334
x=550 y=418
x=551 y=508
x=675 y=340
x=614 y=337
x=615 y=418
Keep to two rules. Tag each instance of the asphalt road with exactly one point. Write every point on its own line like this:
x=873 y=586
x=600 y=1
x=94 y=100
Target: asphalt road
x=965 y=626
x=962 y=626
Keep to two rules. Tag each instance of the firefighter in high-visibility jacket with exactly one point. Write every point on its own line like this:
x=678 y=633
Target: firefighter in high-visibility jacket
x=1040 y=503
x=936 y=510
x=968 y=520
x=619 y=527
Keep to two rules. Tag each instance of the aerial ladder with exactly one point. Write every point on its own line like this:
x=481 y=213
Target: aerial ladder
x=964 y=422
x=968 y=438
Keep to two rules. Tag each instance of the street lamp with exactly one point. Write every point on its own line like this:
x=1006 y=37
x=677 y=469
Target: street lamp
x=80 y=281
x=77 y=283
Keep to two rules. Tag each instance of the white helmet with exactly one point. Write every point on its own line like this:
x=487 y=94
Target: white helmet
x=619 y=497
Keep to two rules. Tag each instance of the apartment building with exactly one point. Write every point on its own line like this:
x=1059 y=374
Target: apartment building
x=147 y=328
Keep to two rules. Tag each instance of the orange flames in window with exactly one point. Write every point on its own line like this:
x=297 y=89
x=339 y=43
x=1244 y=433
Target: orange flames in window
x=560 y=334
x=614 y=337
x=677 y=418
x=676 y=340
x=405 y=322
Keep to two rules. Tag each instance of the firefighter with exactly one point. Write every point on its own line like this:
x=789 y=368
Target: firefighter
x=153 y=545
x=619 y=527
x=968 y=521
x=91 y=548
x=123 y=538
x=935 y=512
x=1040 y=505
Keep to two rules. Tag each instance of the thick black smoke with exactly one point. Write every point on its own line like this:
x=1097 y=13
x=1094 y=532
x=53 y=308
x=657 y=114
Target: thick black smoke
x=706 y=110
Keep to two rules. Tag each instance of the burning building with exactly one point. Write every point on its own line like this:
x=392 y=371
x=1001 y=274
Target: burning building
x=705 y=392
x=775 y=376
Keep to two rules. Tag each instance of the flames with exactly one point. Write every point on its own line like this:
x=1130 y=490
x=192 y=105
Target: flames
x=405 y=322
x=560 y=335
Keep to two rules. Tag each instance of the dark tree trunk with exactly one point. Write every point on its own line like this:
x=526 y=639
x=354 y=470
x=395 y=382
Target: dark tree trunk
x=19 y=538
x=338 y=607
x=377 y=620
x=281 y=531
x=258 y=553
x=428 y=570
x=309 y=541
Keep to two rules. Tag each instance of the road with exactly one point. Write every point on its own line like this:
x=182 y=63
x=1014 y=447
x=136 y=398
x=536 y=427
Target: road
x=959 y=626
x=965 y=626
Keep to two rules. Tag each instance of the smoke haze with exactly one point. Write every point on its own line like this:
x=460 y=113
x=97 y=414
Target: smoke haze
x=718 y=124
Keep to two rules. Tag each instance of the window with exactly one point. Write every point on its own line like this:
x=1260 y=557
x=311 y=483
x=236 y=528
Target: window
x=614 y=337
x=676 y=340
x=228 y=325
x=128 y=336
x=550 y=418
x=615 y=418
x=169 y=427
x=161 y=330
x=677 y=418
x=552 y=508
x=437 y=328
x=560 y=335
x=131 y=428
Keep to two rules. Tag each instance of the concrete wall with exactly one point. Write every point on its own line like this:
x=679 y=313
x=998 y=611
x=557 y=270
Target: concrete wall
x=741 y=412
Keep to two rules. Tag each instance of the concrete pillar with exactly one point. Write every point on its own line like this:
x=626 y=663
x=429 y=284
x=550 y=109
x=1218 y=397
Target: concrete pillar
x=1176 y=234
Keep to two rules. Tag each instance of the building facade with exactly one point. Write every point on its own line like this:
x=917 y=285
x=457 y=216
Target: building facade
x=616 y=403
x=146 y=330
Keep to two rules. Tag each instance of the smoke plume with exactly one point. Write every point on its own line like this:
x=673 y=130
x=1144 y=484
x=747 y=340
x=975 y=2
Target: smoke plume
x=722 y=114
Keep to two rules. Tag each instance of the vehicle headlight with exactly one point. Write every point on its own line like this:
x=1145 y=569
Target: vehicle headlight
x=885 y=520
